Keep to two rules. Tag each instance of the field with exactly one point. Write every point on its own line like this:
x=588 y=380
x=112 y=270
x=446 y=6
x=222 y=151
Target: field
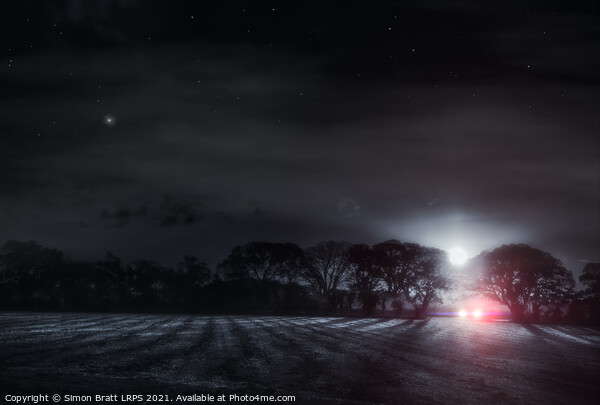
x=319 y=360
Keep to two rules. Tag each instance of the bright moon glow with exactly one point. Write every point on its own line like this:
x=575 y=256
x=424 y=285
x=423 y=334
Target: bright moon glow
x=462 y=313
x=457 y=256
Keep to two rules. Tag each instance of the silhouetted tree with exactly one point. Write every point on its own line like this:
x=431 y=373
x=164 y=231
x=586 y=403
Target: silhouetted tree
x=197 y=273
x=397 y=305
x=590 y=297
x=263 y=262
x=590 y=277
x=28 y=273
x=145 y=282
x=261 y=277
x=398 y=265
x=429 y=279
x=110 y=290
x=294 y=260
x=326 y=269
x=521 y=277
x=365 y=276
x=183 y=284
x=74 y=287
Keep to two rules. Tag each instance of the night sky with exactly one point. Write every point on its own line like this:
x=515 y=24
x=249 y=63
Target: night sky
x=155 y=129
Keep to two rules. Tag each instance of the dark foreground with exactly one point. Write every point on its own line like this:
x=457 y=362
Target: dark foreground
x=318 y=360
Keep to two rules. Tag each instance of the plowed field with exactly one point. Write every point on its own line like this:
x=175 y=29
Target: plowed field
x=318 y=360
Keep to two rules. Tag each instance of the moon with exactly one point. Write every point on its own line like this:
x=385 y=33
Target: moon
x=457 y=256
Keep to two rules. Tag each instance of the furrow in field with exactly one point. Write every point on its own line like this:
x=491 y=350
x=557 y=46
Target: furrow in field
x=49 y=331
x=241 y=357
x=342 y=336
x=489 y=350
x=32 y=334
x=25 y=321
x=573 y=358
x=237 y=360
x=110 y=343
x=256 y=356
x=380 y=326
x=298 y=368
x=432 y=358
x=94 y=324
x=175 y=357
x=218 y=368
x=564 y=335
x=312 y=335
x=182 y=368
x=329 y=363
x=53 y=346
x=355 y=338
x=302 y=364
x=346 y=323
x=148 y=349
x=331 y=342
x=321 y=360
x=408 y=347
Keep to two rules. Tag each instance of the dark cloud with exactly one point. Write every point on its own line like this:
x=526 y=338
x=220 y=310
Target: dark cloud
x=120 y=217
x=470 y=123
x=348 y=207
x=172 y=212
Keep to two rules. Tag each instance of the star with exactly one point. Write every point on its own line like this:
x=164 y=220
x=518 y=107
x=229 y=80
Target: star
x=109 y=120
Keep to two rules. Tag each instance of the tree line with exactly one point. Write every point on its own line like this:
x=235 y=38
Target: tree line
x=331 y=277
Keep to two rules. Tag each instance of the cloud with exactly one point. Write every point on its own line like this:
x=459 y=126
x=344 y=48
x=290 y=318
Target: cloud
x=433 y=202
x=121 y=216
x=348 y=207
x=377 y=133
x=172 y=212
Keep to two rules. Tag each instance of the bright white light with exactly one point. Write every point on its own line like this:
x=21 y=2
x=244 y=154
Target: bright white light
x=477 y=313
x=457 y=256
x=109 y=120
x=462 y=313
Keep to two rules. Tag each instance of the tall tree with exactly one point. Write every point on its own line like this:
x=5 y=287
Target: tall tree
x=590 y=296
x=326 y=269
x=195 y=271
x=590 y=277
x=29 y=270
x=397 y=262
x=185 y=283
x=262 y=261
x=365 y=276
x=145 y=282
x=522 y=277
x=429 y=279
x=110 y=289
x=263 y=265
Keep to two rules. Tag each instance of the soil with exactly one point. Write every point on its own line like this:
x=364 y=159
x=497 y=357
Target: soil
x=331 y=360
